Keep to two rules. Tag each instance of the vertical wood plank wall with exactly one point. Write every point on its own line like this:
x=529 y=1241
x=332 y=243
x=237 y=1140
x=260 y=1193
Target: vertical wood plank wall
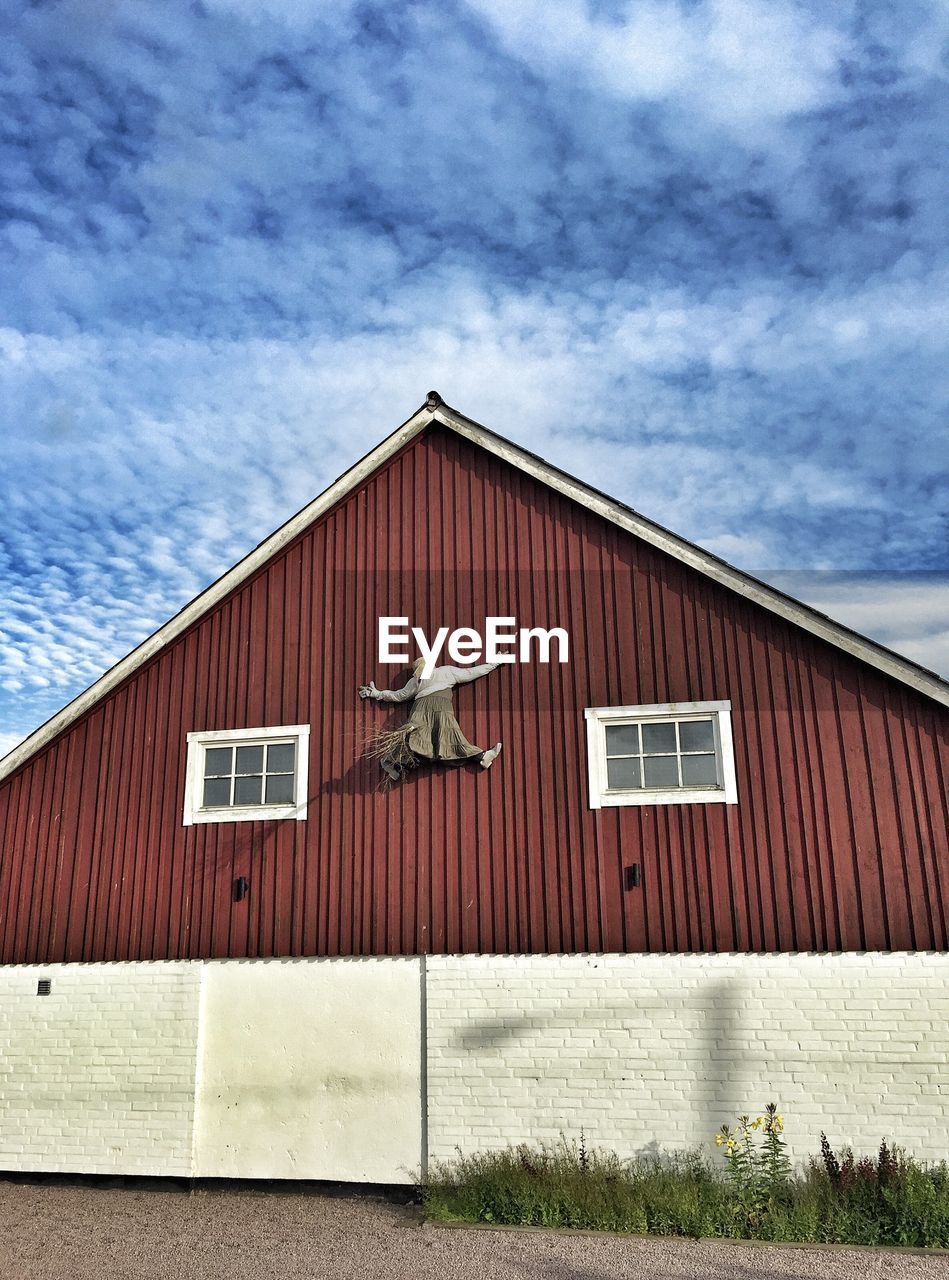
x=840 y=839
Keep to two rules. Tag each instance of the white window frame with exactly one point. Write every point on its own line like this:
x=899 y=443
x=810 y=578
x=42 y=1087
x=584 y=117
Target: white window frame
x=599 y=718
x=194 y=810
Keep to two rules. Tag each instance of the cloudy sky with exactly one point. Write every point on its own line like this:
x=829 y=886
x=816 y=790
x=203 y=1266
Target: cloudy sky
x=693 y=251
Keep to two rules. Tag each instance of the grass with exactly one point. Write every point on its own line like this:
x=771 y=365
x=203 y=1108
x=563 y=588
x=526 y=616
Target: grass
x=892 y=1200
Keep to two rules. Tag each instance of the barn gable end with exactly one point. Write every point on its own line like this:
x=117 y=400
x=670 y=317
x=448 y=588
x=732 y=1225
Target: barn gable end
x=837 y=841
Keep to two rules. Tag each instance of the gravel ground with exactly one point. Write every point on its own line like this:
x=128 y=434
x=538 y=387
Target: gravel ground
x=79 y=1231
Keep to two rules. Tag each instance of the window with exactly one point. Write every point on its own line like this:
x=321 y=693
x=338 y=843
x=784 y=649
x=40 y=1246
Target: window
x=239 y=775
x=672 y=753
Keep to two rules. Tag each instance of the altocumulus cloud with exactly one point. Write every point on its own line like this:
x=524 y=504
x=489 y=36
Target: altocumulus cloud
x=693 y=252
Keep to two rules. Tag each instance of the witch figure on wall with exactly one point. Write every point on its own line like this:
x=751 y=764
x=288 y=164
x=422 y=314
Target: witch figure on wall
x=431 y=733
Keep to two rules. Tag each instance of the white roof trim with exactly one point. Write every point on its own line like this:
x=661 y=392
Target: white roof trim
x=435 y=410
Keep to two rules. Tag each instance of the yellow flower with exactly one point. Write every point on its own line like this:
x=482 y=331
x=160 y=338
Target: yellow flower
x=719 y=1139
x=758 y=1122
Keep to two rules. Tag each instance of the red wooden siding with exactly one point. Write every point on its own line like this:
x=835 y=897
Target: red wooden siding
x=839 y=839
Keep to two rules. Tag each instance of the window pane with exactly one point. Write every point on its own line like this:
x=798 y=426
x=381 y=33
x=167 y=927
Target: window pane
x=217 y=762
x=280 y=788
x=248 y=790
x=623 y=775
x=696 y=735
x=659 y=737
x=622 y=740
x=280 y=758
x=217 y=791
x=250 y=760
x=661 y=771
x=699 y=771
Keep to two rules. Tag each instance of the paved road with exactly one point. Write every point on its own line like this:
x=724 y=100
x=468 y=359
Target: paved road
x=83 y=1232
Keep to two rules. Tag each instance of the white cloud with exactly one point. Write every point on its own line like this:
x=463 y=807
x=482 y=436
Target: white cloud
x=737 y=548
x=299 y=14
x=742 y=64
x=8 y=741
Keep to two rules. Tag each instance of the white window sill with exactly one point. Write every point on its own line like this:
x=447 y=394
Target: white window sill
x=248 y=813
x=709 y=795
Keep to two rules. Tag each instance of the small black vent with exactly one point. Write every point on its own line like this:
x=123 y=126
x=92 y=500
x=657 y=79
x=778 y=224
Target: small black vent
x=44 y=986
x=241 y=888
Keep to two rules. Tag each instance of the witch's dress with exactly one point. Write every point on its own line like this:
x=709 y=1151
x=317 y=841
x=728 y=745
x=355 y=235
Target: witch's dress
x=431 y=733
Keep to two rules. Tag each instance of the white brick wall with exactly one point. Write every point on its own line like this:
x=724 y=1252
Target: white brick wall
x=639 y=1051
x=98 y=1076
x=311 y=1068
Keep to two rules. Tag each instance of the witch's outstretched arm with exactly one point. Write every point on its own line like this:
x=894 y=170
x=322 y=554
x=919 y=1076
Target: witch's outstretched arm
x=405 y=694
x=464 y=675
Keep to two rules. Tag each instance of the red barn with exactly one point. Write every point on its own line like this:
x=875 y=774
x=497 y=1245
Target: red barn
x=715 y=768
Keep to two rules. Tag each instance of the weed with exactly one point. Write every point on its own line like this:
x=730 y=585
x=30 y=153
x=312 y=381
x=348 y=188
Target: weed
x=754 y=1194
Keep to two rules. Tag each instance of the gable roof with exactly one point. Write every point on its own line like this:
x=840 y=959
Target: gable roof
x=434 y=410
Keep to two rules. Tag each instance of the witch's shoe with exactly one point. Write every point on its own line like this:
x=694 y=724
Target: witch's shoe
x=390 y=770
x=489 y=757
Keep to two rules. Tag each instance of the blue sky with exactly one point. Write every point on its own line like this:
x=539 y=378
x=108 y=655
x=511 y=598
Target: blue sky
x=693 y=252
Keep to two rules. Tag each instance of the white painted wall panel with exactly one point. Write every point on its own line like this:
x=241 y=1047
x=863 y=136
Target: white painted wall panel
x=310 y=1069
x=98 y=1076
x=639 y=1051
